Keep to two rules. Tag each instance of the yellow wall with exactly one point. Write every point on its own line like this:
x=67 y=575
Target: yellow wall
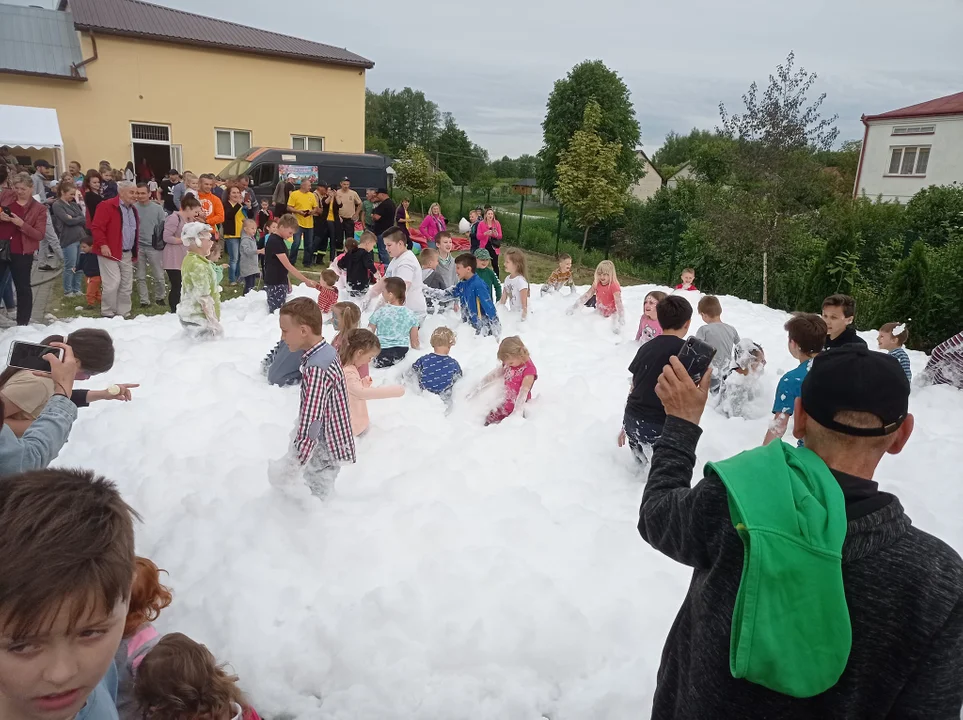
x=194 y=90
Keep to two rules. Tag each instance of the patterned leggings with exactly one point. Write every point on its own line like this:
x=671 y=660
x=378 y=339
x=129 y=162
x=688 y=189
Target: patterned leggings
x=276 y=295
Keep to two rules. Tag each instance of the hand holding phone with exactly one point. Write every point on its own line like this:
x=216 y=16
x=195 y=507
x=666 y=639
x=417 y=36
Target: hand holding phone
x=696 y=356
x=681 y=397
x=33 y=356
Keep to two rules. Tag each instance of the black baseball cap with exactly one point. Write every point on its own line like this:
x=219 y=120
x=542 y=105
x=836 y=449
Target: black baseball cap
x=344 y=179
x=382 y=191
x=854 y=378
x=42 y=163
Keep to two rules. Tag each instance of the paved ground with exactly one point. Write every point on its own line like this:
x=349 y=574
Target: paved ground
x=42 y=281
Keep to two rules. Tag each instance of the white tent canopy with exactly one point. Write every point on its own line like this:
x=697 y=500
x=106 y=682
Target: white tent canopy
x=31 y=127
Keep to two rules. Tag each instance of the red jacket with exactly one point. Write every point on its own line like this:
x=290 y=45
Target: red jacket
x=108 y=229
x=34 y=224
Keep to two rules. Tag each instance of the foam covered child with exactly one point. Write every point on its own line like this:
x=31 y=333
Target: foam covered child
x=518 y=373
x=437 y=372
x=358 y=349
x=605 y=295
x=561 y=276
x=742 y=384
x=200 y=308
x=515 y=289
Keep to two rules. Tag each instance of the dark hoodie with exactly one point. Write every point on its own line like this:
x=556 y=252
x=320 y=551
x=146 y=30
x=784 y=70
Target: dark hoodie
x=904 y=590
x=846 y=337
x=359 y=268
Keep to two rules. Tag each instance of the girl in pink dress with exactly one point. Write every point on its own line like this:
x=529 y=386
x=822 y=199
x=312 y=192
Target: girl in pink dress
x=649 y=324
x=605 y=295
x=490 y=237
x=518 y=373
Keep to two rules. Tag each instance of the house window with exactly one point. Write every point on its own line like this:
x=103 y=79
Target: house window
x=909 y=161
x=914 y=130
x=228 y=144
x=307 y=142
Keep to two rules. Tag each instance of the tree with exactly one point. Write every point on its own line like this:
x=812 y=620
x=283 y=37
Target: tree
x=907 y=295
x=934 y=214
x=587 y=82
x=376 y=145
x=782 y=119
x=414 y=171
x=456 y=154
x=590 y=185
x=678 y=149
x=402 y=118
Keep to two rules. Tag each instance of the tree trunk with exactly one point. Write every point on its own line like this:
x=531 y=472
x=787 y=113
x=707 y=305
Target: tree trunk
x=765 y=277
x=584 y=243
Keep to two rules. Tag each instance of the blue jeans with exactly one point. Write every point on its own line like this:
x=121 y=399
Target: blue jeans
x=308 y=235
x=233 y=246
x=383 y=251
x=6 y=290
x=72 y=280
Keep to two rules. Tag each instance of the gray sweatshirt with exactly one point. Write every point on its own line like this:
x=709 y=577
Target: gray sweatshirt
x=69 y=222
x=723 y=338
x=249 y=263
x=151 y=215
x=447 y=271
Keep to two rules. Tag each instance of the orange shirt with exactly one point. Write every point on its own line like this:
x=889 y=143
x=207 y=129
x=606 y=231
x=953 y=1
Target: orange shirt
x=214 y=209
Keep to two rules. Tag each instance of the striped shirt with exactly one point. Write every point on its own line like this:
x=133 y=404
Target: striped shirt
x=324 y=406
x=900 y=354
x=946 y=363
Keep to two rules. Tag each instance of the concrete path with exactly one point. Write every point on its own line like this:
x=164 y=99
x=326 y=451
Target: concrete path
x=42 y=284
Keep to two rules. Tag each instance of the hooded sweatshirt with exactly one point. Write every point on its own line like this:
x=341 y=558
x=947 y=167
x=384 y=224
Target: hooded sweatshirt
x=904 y=592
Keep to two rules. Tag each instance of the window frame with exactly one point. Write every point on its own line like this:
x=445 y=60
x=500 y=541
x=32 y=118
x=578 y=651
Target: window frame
x=917 y=149
x=232 y=131
x=306 y=139
x=919 y=130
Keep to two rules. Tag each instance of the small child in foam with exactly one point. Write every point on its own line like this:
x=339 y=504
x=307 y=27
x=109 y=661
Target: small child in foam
x=519 y=374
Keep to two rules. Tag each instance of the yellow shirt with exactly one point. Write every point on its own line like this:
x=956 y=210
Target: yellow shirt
x=303 y=201
x=331 y=211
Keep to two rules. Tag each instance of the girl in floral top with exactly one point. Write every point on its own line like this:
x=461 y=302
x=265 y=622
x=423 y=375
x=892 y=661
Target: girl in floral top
x=649 y=324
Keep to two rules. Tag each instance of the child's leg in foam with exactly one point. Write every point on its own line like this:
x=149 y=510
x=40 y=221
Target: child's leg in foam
x=320 y=472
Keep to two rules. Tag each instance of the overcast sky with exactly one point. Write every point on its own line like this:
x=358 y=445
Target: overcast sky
x=493 y=64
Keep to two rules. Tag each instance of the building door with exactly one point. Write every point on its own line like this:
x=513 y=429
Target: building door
x=177 y=158
x=151 y=150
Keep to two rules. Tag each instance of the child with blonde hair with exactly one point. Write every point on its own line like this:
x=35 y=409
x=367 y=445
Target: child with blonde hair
x=519 y=374
x=649 y=324
x=437 y=372
x=345 y=316
x=561 y=276
x=605 y=295
x=688 y=280
x=359 y=348
x=180 y=678
x=515 y=289
x=147 y=598
x=200 y=308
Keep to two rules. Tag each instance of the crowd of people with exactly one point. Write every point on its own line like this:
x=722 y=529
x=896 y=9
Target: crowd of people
x=814 y=585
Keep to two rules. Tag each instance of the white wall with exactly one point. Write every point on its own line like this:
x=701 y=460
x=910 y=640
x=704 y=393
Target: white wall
x=686 y=173
x=649 y=185
x=945 y=164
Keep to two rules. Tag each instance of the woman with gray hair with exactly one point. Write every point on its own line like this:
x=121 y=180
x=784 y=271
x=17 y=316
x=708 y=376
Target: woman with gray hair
x=23 y=222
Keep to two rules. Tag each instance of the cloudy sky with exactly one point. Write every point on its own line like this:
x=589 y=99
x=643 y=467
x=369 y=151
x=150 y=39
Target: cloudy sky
x=493 y=64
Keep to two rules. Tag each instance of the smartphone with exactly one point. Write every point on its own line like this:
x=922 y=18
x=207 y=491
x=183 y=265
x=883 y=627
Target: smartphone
x=30 y=356
x=7 y=210
x=696 y=356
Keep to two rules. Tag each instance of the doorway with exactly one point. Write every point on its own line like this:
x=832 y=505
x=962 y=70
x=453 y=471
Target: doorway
x=151 y=150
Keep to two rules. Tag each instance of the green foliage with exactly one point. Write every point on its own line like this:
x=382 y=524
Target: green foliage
x=934 y=214
x=589 y=81
x=590 y=185
x=414 y=171
x=401 y=118
x=376 y=145
x=678 y=149
x=456 y=154
x=524 y=166
x=907 y=295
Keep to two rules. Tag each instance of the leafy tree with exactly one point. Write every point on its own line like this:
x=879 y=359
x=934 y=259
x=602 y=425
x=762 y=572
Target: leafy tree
x=590 y=185
x=782 y=119
x=415 y=172
x=934 y=214
x=456 y=154
x=678 y=149
x=376 y=145
x=402 y=118
x=587 y=82
x=524 y=166
x=907 y=296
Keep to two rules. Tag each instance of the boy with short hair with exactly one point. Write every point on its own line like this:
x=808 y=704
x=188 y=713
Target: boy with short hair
x=644 y=415
x=62 y=617
x=839 y=311
x=323 y=441
x=483 y=262
x=721 y=336
x=437 y=372
x=892 y=337
x=327 y=291
x=358 y=265
x=395 y=325
x=446 y=261
x=432 y=278
x=688 y=280
x=474 y=217
x=248 y=266
x=88 y=264
x=807 y=332
x=561 y=276
x=277 y=264
x=475 y=297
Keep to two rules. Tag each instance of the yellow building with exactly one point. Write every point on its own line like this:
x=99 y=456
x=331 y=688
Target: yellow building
x=133 y=81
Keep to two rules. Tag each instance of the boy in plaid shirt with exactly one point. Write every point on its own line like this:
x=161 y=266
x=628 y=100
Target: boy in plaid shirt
x=324 y=441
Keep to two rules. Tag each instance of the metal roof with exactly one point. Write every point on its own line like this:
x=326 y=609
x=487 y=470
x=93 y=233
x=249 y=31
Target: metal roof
x=948 y=105
x=136 y=18
x=35 y=41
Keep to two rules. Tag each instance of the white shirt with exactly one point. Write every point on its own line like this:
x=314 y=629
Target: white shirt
x=407 y=268
x=512 y=287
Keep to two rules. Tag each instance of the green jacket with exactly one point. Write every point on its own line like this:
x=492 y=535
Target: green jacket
x=790 y=626
x=491 y=280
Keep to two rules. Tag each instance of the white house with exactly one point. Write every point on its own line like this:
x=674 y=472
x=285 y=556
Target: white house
x=685 y=172
x=650 y=183
x=911 y=148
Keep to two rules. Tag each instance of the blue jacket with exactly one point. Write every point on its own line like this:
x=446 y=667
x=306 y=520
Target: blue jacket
x=100 y=704
x=41 y=443
x=476 y=302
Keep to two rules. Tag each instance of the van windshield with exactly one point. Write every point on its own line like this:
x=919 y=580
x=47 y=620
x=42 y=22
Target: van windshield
x=238 y=167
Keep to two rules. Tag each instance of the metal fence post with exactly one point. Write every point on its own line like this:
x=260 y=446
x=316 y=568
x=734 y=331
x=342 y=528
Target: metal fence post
x=521 y=214
x=439 y=192
x=558 y=230
x=461 y=206
x=488 y=197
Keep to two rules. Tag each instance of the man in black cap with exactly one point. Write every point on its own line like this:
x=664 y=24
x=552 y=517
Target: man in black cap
x=384 y=217
x=820 y=530
x=40 y=179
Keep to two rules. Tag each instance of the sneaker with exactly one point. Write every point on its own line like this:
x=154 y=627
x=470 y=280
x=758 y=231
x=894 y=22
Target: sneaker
x=160 y=302
x=91 y=307
x=143 y=305
x=46 y=267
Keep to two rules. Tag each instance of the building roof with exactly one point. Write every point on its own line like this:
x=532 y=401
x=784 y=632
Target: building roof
x=641 y=153
x=949 y=105
x=136 y=18
x=34 y=41
x=526 y=182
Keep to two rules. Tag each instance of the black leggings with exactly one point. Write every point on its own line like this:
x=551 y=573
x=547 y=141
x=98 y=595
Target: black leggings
x=494 y=260
x=174 y=298
x=390 y=356
x=20 y=266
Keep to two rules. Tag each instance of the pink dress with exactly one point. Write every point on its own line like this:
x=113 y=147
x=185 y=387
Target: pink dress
x=605 y=298
x=648 y=329
x=514 y=376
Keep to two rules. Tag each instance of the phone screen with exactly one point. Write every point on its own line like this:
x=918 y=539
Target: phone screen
x=696 y=356
x=30 y=356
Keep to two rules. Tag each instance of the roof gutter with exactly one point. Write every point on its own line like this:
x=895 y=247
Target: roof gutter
x=12 y=71
x=75 y=68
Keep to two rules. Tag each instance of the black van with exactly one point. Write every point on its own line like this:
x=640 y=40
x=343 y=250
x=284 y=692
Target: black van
x=267 y=166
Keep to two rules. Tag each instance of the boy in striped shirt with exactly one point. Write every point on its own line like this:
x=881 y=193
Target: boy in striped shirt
x=323 y=441
x=892 y=336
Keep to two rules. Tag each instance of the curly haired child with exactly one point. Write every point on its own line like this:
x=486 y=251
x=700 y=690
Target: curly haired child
x=605 y=295
x=147 y=598
x=649 y=324
x=180 y=678
x=518 y=373
x=357 y=350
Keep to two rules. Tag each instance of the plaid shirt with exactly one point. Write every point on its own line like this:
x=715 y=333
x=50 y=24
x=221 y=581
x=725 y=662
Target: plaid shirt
x=324 y=406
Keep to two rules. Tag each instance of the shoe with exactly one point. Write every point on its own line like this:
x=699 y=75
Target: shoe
x=160 y=302
x=45 y=267
x=143 y=305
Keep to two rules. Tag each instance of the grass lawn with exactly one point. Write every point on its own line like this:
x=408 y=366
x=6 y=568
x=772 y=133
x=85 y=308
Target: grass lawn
x=539 y=268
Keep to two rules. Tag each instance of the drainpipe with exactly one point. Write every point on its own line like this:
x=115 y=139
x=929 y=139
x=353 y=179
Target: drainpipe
x=75 y=68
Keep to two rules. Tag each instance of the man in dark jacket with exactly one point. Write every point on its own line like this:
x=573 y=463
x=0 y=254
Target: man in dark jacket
x=115 y=229
x=894 y=592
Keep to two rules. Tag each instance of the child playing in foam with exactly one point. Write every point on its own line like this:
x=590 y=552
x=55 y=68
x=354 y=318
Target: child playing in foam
x=742 y=385
x=518 y=373
x=515 y=290
x=200 y=308
x=605 y=295
x=649 y=324
x=358 y=349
